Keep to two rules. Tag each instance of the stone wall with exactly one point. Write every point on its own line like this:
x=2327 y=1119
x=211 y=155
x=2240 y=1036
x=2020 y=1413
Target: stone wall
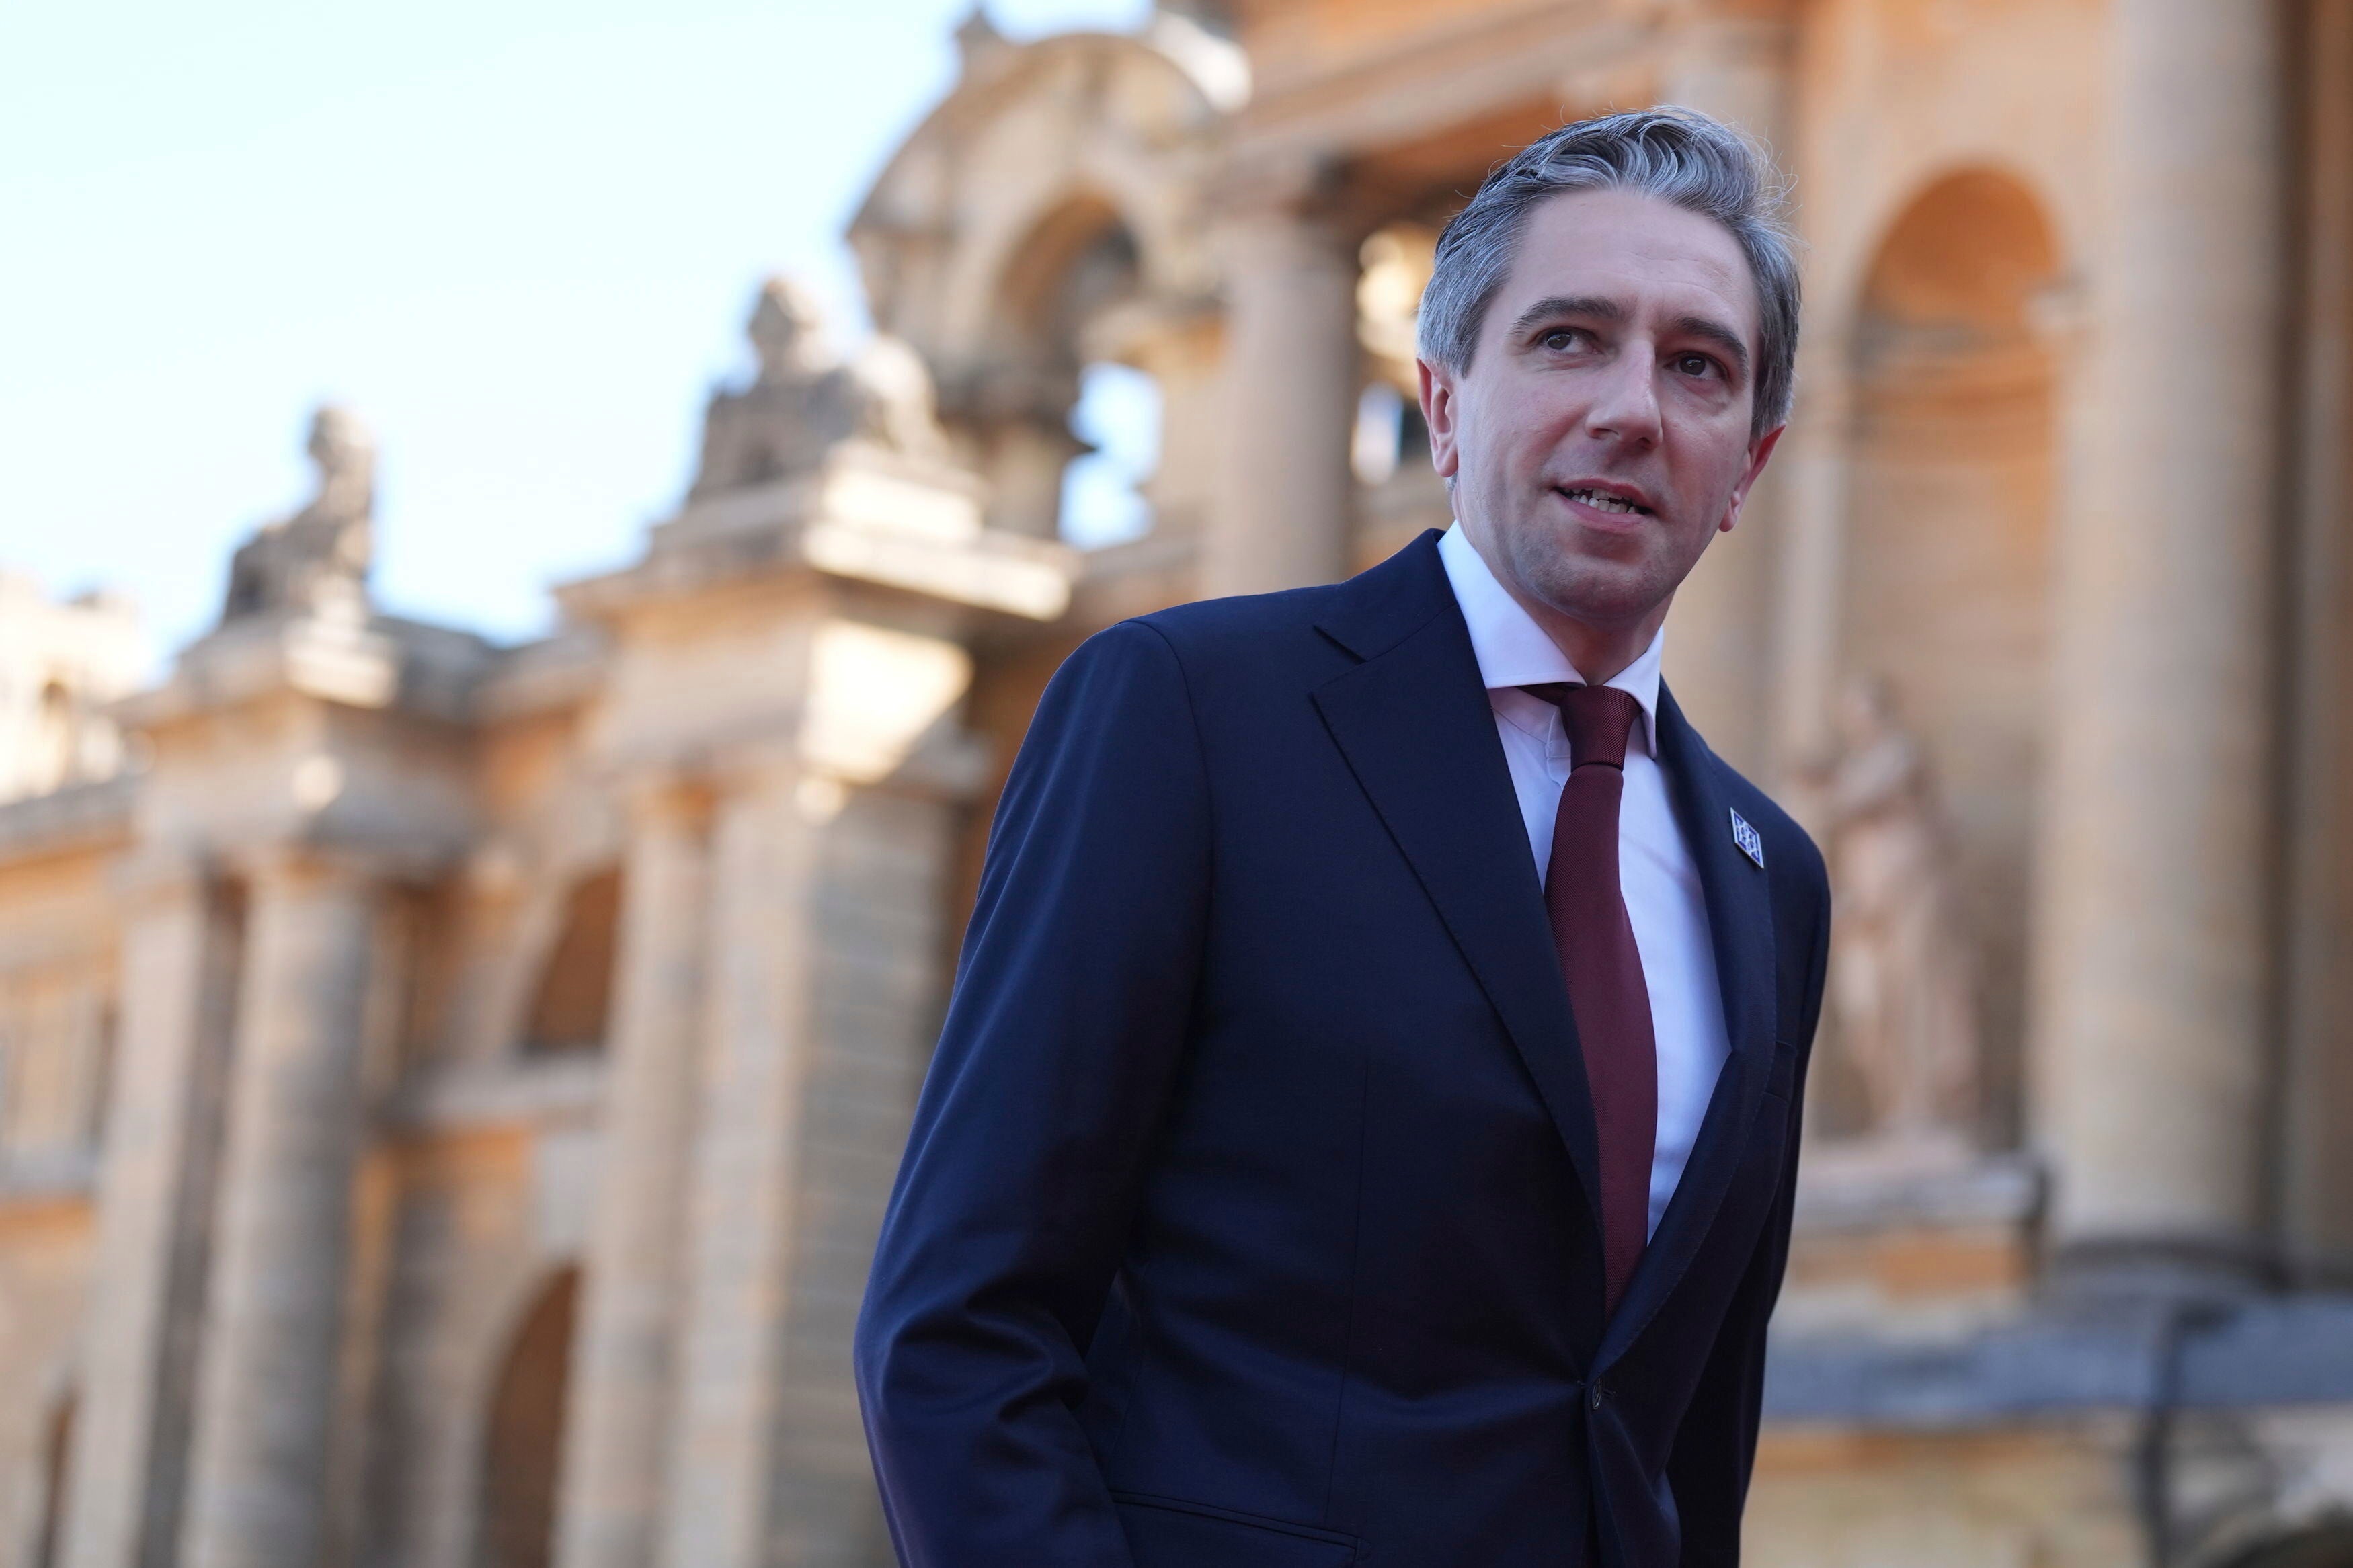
x=59 y=979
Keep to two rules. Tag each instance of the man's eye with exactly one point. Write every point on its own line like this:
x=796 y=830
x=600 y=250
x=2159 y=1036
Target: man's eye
x=1694 y=364
x=1560 y=339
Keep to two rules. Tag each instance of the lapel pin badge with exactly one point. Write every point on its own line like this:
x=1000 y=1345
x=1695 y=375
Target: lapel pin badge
x=1751 y=842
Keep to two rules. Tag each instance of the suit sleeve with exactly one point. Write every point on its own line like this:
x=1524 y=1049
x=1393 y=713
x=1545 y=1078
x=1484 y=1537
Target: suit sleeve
x=1020 y=1178
x=1716 y=1449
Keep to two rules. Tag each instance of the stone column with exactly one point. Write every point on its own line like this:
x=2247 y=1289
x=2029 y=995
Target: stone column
x=1025 y=455
x=1718 y=641
x=2152 y=1028
x=878 y=947
x=267 y=1385
x=623 y=1366
x=1735 y=68
x=1286 y=498
x=163 y=1129
x=827 y=947
x=2317 y=1187
x=739 y=1220
x=1183 y=351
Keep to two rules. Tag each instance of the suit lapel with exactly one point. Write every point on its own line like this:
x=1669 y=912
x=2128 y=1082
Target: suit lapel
x=1414 y=724
x=1740 y=931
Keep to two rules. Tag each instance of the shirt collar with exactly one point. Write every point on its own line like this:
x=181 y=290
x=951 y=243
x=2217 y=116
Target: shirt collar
x=1514 y=651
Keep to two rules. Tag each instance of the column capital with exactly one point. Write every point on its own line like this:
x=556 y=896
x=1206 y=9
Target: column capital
x=1281 y=181
x=769 y=766
x=680 y=796
x=1307 y=199
x=297 y=863
x=161 y=873
x=1733 y=62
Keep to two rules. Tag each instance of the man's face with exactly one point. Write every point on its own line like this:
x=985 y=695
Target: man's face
x=1601 y=436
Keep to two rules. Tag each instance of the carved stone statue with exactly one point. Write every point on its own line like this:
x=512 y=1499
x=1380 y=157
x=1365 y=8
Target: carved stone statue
x=315 y=561
x=806 y=400
x=1900 y=969
x=898 y=411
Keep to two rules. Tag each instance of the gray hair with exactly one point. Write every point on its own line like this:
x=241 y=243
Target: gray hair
x=1678 y=155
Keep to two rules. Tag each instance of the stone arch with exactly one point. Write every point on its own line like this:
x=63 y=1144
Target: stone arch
x=1047 y=217
x=522 y=1432
x=1079 y=259
x=571 y=1000
x=1950 y=509
x=1029 y=129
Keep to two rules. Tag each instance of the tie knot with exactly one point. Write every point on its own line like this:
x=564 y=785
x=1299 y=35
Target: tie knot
x=1599 y=719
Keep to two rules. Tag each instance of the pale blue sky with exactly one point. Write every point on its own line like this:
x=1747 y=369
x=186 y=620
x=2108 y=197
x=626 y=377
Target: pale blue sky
x=519 y=237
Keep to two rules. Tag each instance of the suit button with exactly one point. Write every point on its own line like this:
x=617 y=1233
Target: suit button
x=1597 y=1398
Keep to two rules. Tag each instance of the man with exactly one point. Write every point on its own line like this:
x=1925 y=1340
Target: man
x=1365 y=1126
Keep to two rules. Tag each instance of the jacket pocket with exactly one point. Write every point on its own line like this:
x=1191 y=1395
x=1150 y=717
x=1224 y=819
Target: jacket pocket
x=1170 y=1532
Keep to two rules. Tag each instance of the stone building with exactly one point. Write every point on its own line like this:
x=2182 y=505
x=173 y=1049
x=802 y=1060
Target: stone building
x=448 y=1091
x=60 y=666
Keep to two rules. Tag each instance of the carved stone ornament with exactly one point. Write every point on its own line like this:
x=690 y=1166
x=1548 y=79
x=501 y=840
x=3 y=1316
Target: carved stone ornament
x=807 y=399
x=1900 y=967
x=315 y=561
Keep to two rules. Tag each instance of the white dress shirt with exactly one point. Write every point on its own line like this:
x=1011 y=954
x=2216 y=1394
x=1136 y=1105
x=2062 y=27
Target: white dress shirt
x=1654 y=866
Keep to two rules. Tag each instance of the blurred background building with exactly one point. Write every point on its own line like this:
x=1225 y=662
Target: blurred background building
x=448 y=1091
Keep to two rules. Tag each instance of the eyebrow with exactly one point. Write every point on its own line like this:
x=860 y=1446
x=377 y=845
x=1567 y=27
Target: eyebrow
x=1597 y=308
x=1592 y=306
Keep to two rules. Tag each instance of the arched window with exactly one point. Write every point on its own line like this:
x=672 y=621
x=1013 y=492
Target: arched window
x=571 y=1007
x=522 y=1449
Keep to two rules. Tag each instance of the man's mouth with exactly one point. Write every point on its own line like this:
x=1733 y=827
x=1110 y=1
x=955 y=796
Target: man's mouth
x=1601 y=501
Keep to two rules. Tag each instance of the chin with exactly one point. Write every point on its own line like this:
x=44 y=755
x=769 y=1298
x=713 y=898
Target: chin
x=1594 y=589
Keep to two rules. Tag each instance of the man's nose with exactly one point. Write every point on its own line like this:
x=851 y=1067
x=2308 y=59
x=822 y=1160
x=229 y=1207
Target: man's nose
x=1626 y=403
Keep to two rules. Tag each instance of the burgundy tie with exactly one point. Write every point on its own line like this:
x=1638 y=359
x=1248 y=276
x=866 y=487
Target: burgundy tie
x=1603 y=967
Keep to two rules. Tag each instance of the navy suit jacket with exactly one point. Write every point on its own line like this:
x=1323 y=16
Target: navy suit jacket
x=1248 y=1219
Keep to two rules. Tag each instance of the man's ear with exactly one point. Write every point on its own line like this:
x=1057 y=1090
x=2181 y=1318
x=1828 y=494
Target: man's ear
x=1439 y=416
x=1758 y=456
